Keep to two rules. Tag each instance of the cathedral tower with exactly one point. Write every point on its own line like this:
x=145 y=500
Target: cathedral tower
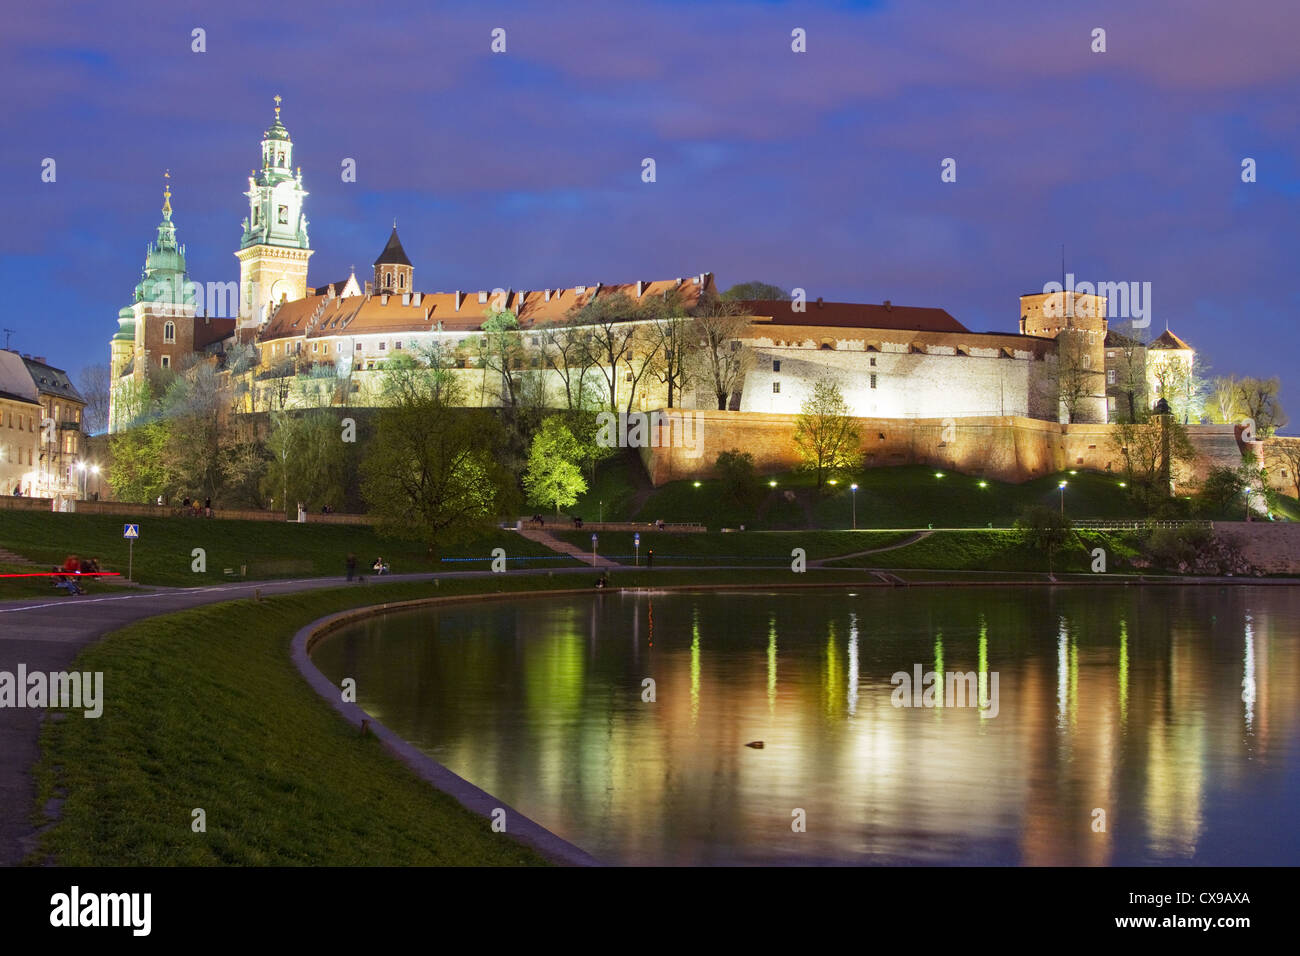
x=1077 y=321
x=393 y=270
x=274 y=249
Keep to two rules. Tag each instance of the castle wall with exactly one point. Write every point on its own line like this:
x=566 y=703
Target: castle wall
x=1004 y=448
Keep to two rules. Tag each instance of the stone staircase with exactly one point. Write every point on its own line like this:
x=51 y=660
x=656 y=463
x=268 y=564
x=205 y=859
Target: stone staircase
x=563 y=547
x=8 y=557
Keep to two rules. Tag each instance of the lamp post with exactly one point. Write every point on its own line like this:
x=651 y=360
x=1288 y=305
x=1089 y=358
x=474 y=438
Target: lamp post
x=1062 y=487
x=94 y=470
x=853 y=488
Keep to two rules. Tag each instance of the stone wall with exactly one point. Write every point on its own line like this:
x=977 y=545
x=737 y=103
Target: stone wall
x=1271 y=546
x=1004 y=448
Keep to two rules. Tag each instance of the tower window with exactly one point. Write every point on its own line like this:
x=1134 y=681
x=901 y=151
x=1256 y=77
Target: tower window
x=284 y=215
x=166 y=361
x=358 y=346
x=169 y=333
x=873 y=361
x=873 y=379
x=776 y=388
x=776 y=365
x=401 y=280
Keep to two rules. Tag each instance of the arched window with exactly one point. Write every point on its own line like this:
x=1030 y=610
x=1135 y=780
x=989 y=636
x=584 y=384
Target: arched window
x=401 y=280
x=169 y=333
x=388 y=279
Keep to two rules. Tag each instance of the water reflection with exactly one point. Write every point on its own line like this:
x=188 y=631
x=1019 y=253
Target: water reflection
x=1153 y=707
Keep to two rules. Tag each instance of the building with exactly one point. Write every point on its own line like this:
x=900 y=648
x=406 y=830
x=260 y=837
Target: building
x=20 y=426
x=62 y=468
x=326 y=344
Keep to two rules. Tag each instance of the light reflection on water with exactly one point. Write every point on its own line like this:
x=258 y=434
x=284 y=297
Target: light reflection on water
x=1173 y=710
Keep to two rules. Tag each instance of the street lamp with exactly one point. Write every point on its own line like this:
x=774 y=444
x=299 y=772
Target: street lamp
x=1062 y=487
x=854 y=498
x=94 y=470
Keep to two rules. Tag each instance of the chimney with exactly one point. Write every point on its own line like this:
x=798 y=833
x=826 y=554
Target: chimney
x=383 y=299
x=419 y=298
x=547 y=296
x=39 y=358
x=482 y=298
x=640 y=288
x=370 y=287
x=819 y=302
x=459 y=300
x=889 y=306
x=406 y=298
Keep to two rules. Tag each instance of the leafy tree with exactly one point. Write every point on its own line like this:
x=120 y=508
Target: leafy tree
x=553 y=476
x=1222 y=487
x=241 y=461
x=756 y=290
x=585 y=428
x=1258 y=399
x=307 y=459
x=1131 y=378
x=1045 y=528
x=431 y=471
x=611 y=330
x=139 y=471
x=739 y=477
x=826 y=437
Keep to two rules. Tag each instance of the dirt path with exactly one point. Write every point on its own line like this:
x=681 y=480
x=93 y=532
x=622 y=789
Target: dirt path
x=910 y=539
x=563 y=547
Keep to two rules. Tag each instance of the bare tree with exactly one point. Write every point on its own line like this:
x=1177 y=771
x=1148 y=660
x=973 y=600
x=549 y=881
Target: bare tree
x=674 y=345
x=612 y=328
x=1284 y=454
x=1077 y=378
x=1223 y=402
x=722 y=359
x=566 y=349
x=1258 y=397
x=95 y=388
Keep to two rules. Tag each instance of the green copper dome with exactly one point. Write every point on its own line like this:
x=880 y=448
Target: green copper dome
x=164 y=274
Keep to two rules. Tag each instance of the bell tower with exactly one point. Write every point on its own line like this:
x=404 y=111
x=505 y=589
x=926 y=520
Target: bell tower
x=274 y=248
x=393 y=270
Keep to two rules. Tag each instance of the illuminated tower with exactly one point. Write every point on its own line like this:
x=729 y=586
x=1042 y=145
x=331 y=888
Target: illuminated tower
x=274 y=250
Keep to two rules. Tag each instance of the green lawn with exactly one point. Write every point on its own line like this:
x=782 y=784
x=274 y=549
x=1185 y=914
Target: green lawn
x=758 y=548
x=910 y=496
x=204 y=709
x=1001 y=550
x=269 y=549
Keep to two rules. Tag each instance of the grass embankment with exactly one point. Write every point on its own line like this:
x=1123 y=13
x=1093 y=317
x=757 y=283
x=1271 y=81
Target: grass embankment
x=757 y=548
x=908 y=496
x=1005 y=551
x=204 y=709
x=164 y=554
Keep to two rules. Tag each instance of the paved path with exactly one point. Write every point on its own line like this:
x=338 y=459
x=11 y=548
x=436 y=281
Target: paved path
x=46 y=634
x=911 y=539
x=563 y=547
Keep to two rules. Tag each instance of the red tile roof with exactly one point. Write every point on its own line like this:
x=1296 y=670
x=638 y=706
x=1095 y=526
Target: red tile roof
x=855 y=315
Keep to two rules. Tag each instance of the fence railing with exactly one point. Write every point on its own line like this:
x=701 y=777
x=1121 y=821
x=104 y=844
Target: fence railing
x=1139 y=524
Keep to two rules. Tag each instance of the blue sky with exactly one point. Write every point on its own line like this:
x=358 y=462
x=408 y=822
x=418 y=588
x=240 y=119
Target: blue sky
x=819 y=169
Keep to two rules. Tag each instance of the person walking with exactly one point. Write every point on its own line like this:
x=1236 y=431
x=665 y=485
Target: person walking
x=650 y=559
x=352 y=565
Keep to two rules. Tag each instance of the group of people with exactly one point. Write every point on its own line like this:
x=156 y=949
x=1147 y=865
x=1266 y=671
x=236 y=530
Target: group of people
x=193 y=507
x=72 y=568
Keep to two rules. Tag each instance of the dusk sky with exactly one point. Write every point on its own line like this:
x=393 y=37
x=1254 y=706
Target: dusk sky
x=819 y=169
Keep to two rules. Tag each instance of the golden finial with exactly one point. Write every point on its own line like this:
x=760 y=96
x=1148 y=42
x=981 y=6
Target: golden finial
x=277 y=107
x=167 y=192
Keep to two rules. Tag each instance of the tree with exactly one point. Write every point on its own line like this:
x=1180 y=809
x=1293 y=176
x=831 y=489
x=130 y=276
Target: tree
x=553 y=476
x=642 y=356
x=1141 y=447
x=307 y=459
x=1221 y=487
x=1078 y=379
x=722 y=360
x=431 y=472
x=827 y=439
x=139 y=472
x=1285 y=456
x=611 y=326
x=241 y=461
x=194 y=406
x=1046 y=529
x=1222 y=405
x=739 y=477
x=566 y=348
x=95 y=388
x=673 y=345
x=756 y=290
x=1131 y=378
x=1258 y=400
x=501 y=350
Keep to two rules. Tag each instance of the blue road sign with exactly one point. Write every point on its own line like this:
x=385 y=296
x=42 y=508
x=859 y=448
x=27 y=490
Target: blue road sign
x=130 y=531
x=636 y=538
x=593 y=537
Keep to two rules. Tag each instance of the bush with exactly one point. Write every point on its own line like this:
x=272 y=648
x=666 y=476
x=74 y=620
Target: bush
x=1045 y=528
x=739 y=477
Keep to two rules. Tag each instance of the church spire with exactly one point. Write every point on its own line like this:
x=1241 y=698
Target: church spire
x=167 y=196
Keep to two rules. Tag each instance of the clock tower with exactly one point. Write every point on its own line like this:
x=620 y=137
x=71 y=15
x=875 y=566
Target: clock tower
x=274 y=249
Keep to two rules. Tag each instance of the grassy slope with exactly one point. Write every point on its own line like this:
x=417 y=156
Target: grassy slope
x=759 y=548
x=204 y=709
x=1001 y=550
x=903 y=497
x=270 y=549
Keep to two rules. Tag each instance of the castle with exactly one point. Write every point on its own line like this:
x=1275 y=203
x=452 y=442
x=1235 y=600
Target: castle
x=1064 y=364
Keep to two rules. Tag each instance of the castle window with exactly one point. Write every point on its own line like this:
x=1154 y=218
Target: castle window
x=388 y=278
x=382 y=346
x=1110 y=376
x=166 y=361
x=256 y=211
x=776 y=365
x=397 y=344
x=169 y=333
x=315 y=346
x=873 y=361
x=358 y=346
x=401 y=280
x=873 y=379
x=284 y=215
x=1086 y=360
x=776 y=388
